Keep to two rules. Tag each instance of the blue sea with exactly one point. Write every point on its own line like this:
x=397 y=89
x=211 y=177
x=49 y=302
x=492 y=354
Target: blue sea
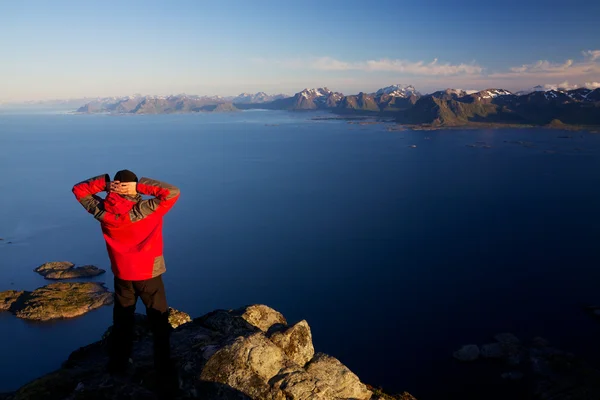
x=395 y=255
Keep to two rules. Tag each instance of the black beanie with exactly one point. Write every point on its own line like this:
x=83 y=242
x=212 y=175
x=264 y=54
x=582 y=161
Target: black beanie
x=125 y=175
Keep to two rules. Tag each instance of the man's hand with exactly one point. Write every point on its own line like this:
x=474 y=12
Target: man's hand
x=113 y=186
x=124 y=188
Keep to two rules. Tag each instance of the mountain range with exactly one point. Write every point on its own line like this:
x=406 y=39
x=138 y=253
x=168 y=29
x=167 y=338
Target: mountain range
x=451 y=107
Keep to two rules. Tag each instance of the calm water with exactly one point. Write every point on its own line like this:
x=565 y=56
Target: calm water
x=396 y=256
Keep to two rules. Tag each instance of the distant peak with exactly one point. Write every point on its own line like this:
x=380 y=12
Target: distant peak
x=398 y=90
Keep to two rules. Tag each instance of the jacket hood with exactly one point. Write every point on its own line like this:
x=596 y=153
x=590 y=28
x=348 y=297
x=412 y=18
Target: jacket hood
x=117 y=204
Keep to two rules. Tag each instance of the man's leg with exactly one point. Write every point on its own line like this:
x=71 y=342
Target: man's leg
x=120 y=342
x=152 y=293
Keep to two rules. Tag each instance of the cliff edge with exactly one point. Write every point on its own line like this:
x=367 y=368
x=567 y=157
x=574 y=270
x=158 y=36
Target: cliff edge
x=248 y=353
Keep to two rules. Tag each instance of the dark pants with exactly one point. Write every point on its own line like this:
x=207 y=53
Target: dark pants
x=152 y=293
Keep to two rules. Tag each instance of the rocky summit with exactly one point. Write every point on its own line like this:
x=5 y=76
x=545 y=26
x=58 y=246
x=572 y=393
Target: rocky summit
x=57 y=300
x=67 y=270
x=248 y=353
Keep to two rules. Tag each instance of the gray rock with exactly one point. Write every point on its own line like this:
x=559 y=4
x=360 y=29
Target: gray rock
x=513 y=375
x=540 y=366
x=67 y=270
x=540 y=342
x=469 y=352
x=296 y=342
x=62 y=300
x=493 y=350
x=342 y=382
x=507 y=338
x=8 y=298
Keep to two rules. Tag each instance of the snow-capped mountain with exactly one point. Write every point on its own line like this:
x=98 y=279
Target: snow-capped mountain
x=315 y=93
x=581 y=94
x=448 y=94
x=398 y=90
x=321 y=97
x=491 y=93
x=486 y=96
x=260 y=97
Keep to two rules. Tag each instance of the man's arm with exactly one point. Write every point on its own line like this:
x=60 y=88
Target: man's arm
x=164 y=197
x=85 y=193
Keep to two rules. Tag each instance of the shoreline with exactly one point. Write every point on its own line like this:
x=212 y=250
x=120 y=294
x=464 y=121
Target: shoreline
x=372 y=119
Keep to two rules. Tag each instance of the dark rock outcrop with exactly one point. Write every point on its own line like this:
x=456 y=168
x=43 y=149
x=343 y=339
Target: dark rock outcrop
x=547 y=372
x=66 y=270
x=222 y=355
x=57 y=300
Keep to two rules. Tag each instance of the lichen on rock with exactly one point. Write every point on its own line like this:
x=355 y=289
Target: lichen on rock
x=57 y=300
x=8 y=298
x=296 y=342
x=260 y=316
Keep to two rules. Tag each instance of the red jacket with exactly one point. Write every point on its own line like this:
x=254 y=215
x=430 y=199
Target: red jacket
x=132 y=227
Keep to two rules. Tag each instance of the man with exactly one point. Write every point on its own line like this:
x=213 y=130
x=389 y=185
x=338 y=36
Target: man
x=132 y=229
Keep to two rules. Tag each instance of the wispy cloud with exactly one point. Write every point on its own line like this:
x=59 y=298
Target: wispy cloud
x=432 y=68
x=563 y=85
x=542 y=66
x=591 y=55
x=566 y=85
x=569 y=69
x=592 y=85
x=435 y=74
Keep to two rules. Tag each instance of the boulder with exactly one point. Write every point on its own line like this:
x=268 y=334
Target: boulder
x=67 y=270
x=8 y=298
x=247 y=365
x=342 y=382
x=225 y=322
x=493 y=350
x=300 y=385
x=512 y=375
x=296 y=342
x=178 y=318
x=507 y=338
x=260 y=316
x=61 y=300
x=469 y=352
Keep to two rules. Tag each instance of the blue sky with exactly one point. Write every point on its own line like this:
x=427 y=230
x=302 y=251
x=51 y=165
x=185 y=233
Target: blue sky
x=60 y=49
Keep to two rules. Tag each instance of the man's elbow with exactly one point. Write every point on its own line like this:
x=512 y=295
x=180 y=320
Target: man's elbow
x=76 y=192
x=174 y=192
